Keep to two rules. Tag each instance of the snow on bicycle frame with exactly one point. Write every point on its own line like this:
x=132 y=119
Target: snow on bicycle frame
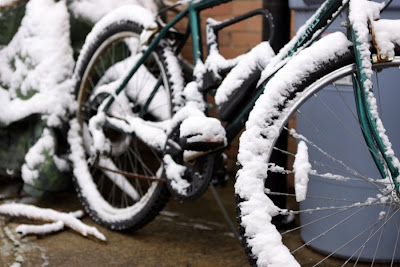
x=151 y=37
x=362 y=15
x=194 y=105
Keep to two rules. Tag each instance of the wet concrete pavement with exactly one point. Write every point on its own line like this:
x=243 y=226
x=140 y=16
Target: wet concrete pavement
x=185 y=234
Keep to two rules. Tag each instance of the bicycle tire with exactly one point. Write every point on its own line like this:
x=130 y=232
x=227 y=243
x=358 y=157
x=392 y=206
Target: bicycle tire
x=133 y=211
x=308 y=236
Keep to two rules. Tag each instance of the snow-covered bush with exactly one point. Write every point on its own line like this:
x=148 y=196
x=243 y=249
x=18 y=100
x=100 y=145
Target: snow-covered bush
x=36 y=66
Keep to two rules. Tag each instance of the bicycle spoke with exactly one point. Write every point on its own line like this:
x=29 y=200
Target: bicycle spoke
x=397 y=242
x=355 y=237
x=340 y=162
x=361 y=178
x=330 y=229
x=134 y=168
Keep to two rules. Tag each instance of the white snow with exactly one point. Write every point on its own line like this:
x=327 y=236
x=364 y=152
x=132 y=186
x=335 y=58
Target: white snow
x=193 y=96
x=68 y=219
x=94 y=10
x=61 y=163
x=25 y=229
x=277 y=169
x=100 y=144
x=38 y=61
x=215 y=61
x=36 y=156
x=176 y=79
x=382 y=215
x=258 y=57
x=148 y=133
x=175 y=172
x=298 y=136
x=35 y=71
x=386 y=35
x=301 y=168
x=203 y=129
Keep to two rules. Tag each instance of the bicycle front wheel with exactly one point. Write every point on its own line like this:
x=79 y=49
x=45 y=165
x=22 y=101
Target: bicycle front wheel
x=343 y=211
x=120 y=189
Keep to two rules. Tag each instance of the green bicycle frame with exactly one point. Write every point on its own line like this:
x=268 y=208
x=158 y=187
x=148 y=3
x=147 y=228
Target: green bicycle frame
x=314 y=28
x=368 y=124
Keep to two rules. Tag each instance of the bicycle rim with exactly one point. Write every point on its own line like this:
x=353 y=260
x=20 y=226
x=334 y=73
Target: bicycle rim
x=118 y=191
x=349 y=213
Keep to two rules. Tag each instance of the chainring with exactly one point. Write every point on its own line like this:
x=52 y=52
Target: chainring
x=198 y=173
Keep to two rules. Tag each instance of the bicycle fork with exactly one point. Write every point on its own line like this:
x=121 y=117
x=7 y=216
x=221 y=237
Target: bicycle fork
x=370 y=122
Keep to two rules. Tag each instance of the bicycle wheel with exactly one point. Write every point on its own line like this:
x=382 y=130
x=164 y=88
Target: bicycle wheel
x=116 y=188
x=349 y=214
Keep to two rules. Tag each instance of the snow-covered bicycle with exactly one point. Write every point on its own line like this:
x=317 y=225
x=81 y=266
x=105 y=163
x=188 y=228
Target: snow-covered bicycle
x=141 y=132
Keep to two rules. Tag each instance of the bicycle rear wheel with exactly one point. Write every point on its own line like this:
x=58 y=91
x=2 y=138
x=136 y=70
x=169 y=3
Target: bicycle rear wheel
x=120 y=189
x=350 y=214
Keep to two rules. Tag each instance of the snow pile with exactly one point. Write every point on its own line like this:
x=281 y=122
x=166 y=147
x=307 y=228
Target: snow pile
x=203 y=129
x=301 y=168
x=94 y=10
x=36 y=65
x=386 y=35
x=37 y=156
x=61 y=219
x=257 y=58
x=175 y=172
x=35 y=71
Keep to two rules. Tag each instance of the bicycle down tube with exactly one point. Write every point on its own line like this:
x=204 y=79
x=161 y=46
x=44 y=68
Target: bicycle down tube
x=312 y=30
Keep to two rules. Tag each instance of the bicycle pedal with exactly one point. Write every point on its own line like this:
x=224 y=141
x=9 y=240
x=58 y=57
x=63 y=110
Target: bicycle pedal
x=202 y=134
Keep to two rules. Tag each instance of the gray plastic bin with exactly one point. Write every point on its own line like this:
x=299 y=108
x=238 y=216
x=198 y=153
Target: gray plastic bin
x=328 y=243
